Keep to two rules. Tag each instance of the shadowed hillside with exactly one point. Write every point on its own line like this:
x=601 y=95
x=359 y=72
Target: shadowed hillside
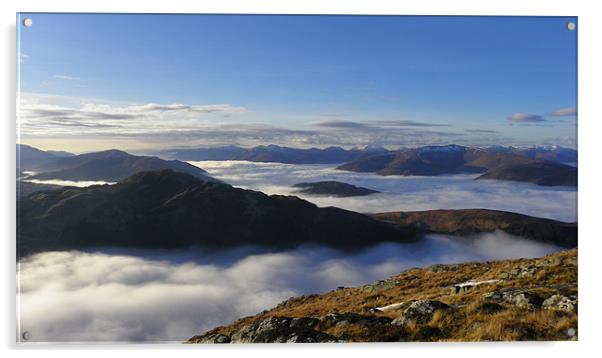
x=165 y=209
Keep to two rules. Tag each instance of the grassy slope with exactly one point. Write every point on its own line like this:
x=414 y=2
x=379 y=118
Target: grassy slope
x=473 y=318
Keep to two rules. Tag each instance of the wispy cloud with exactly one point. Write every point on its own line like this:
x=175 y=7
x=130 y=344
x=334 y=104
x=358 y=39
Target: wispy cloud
x=21 y=57
x=374 y=124
x=54 y=116
x=482 y=131
x=66 y=77
x=564 y=112
x=408 y=123
x=526 y=118
x=338 y=124
x=178 y=107
x=166 y=125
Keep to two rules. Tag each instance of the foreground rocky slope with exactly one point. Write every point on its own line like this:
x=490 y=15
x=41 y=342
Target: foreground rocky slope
x=526 y=299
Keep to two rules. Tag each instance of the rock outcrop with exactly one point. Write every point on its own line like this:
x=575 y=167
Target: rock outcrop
x=420 y=311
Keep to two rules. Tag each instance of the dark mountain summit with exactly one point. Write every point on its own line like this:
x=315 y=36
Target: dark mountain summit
x=453 y=159
x=165 y=209
x=30 y=158
x=333 y=188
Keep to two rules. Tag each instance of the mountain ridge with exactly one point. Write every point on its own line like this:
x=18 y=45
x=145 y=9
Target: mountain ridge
x=471 y=221
x=107 y=165
x=167 y=209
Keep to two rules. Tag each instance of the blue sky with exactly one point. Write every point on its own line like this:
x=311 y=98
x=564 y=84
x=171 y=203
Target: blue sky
x=296 y=80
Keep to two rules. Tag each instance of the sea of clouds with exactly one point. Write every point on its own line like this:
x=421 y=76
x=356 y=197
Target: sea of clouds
x=118 y=295
x=399 y=193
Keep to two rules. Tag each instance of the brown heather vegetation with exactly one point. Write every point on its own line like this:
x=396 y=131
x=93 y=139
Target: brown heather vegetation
x=471 y=316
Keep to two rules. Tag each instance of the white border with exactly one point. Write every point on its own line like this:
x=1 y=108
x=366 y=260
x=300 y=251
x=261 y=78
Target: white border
x=589 y=162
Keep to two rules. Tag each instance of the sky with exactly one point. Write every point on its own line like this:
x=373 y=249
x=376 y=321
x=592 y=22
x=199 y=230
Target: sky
x=141 y=82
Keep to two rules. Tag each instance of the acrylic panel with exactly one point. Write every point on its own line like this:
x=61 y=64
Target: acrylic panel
x=287 y=178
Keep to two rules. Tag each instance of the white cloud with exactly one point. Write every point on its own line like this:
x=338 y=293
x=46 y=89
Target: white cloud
x=80 y=184
x=563 y=112
x=21 y=57
x=525 y=118
x=402 y=193
x=136 y=295
x=66 y=77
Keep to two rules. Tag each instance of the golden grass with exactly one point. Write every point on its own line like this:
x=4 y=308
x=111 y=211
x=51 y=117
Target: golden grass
x=471 y=319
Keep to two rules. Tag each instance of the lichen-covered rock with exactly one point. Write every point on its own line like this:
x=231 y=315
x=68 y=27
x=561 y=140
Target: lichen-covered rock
x=222 y=338
x=519 y=272
x=443 y=268
x=517 y=297
x=420 y=311
x=381 y=285
x=561 y=303
x=339 y=319
x=282 y=330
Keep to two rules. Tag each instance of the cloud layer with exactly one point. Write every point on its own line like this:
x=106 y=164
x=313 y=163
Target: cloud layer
x=152 y=125
x=59 y=119
x=123 y=296
x=49 y=116
x=402 y=193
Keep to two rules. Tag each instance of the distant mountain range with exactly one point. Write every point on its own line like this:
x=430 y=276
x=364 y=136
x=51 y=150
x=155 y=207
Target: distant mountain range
x=167 y=209
x=338 y=155
x=454 y=159
x=109 y=165
x=552 y=153
x=333 y=188
x=273 y=153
